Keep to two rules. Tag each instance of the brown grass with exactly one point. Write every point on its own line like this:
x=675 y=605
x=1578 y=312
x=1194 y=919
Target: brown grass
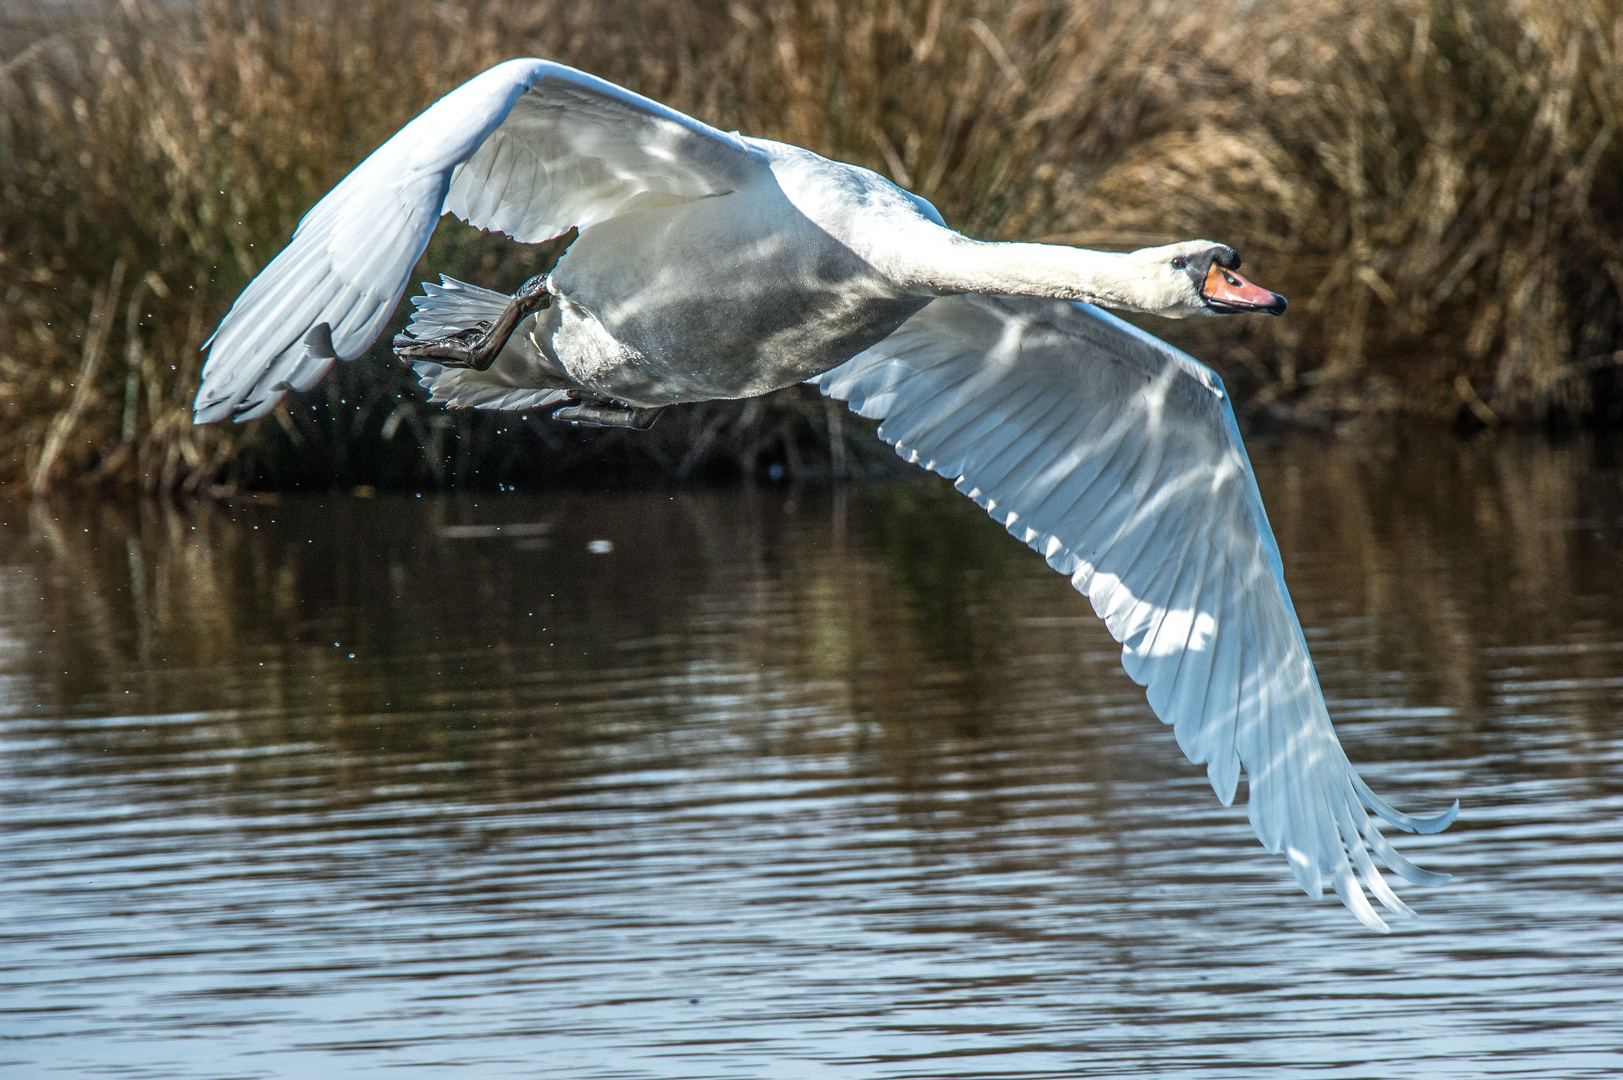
x=1438 y=185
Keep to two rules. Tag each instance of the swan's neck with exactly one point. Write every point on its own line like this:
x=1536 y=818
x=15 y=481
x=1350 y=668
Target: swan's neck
x=950 y=263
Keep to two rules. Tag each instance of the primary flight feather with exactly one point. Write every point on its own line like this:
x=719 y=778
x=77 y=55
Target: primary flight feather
x=686 y=264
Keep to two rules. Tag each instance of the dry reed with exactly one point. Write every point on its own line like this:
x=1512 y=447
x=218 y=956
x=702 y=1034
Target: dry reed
x=1437 y=183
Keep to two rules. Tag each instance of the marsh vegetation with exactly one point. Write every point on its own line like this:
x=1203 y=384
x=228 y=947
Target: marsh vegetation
x=1437 y=184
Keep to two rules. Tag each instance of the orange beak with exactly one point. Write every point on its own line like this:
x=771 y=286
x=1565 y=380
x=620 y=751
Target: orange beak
x=1228 y=293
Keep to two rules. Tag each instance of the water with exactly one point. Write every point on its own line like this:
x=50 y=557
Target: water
x=787 y=784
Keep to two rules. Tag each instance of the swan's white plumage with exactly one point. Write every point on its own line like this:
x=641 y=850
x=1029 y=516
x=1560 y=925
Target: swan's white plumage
x=529 y=148
x=573 y=152
x=711 y=265
x=1116 y=457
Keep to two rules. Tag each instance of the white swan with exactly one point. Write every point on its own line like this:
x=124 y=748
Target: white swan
x=709 y=265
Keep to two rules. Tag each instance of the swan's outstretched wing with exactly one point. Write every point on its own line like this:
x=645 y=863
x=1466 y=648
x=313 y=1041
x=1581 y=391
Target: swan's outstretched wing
x=529 y=148
x=1117 y=458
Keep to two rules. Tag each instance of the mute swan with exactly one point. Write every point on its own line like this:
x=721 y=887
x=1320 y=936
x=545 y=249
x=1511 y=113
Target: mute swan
x=688 y=264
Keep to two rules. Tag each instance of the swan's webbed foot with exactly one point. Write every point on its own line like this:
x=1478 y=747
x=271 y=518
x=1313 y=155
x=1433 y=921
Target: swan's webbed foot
x=611 y=414
x=478 y=347
x=463 y=349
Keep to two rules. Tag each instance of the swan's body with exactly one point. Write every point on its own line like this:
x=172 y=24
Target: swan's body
x=710 y=265
x=722 y=297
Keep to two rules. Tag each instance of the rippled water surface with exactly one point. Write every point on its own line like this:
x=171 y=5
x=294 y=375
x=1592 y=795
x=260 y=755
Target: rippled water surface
x=787 y=784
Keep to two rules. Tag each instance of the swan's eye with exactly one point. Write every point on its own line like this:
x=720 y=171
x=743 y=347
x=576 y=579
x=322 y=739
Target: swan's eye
x=1179 y=263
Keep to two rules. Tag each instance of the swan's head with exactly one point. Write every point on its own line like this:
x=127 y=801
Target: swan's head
x=1198 y=277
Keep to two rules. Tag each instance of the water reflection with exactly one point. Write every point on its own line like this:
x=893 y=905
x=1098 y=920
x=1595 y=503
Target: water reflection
x=786 y=783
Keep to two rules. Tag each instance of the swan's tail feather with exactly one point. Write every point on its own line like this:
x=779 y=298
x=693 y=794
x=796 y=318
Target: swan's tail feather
x=462 y=388
x=453 y=306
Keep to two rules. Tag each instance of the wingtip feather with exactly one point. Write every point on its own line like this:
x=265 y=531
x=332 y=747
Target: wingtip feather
x=1398 y=819
x=1399 y=865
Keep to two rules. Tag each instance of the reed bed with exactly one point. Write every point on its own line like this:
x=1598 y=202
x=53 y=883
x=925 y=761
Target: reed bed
x=1437 y=184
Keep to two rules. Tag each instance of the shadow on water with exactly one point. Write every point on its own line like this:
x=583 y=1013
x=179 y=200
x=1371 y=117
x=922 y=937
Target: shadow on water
x=786 y=781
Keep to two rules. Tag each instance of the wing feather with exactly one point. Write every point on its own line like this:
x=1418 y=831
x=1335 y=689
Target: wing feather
x=1218 y=705
x=970 y=425
x=1008 y=471
x=1042 y=492
x=574 y=150
x=1164 y=631
x=1165 y=545
x=1117 y=458
x=955 y=425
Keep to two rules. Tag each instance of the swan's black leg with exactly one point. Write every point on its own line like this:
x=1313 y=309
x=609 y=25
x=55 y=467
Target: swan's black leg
x=478 y=347
x=595 y=413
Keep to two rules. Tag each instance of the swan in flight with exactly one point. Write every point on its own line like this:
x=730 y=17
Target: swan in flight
x=683 y=263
